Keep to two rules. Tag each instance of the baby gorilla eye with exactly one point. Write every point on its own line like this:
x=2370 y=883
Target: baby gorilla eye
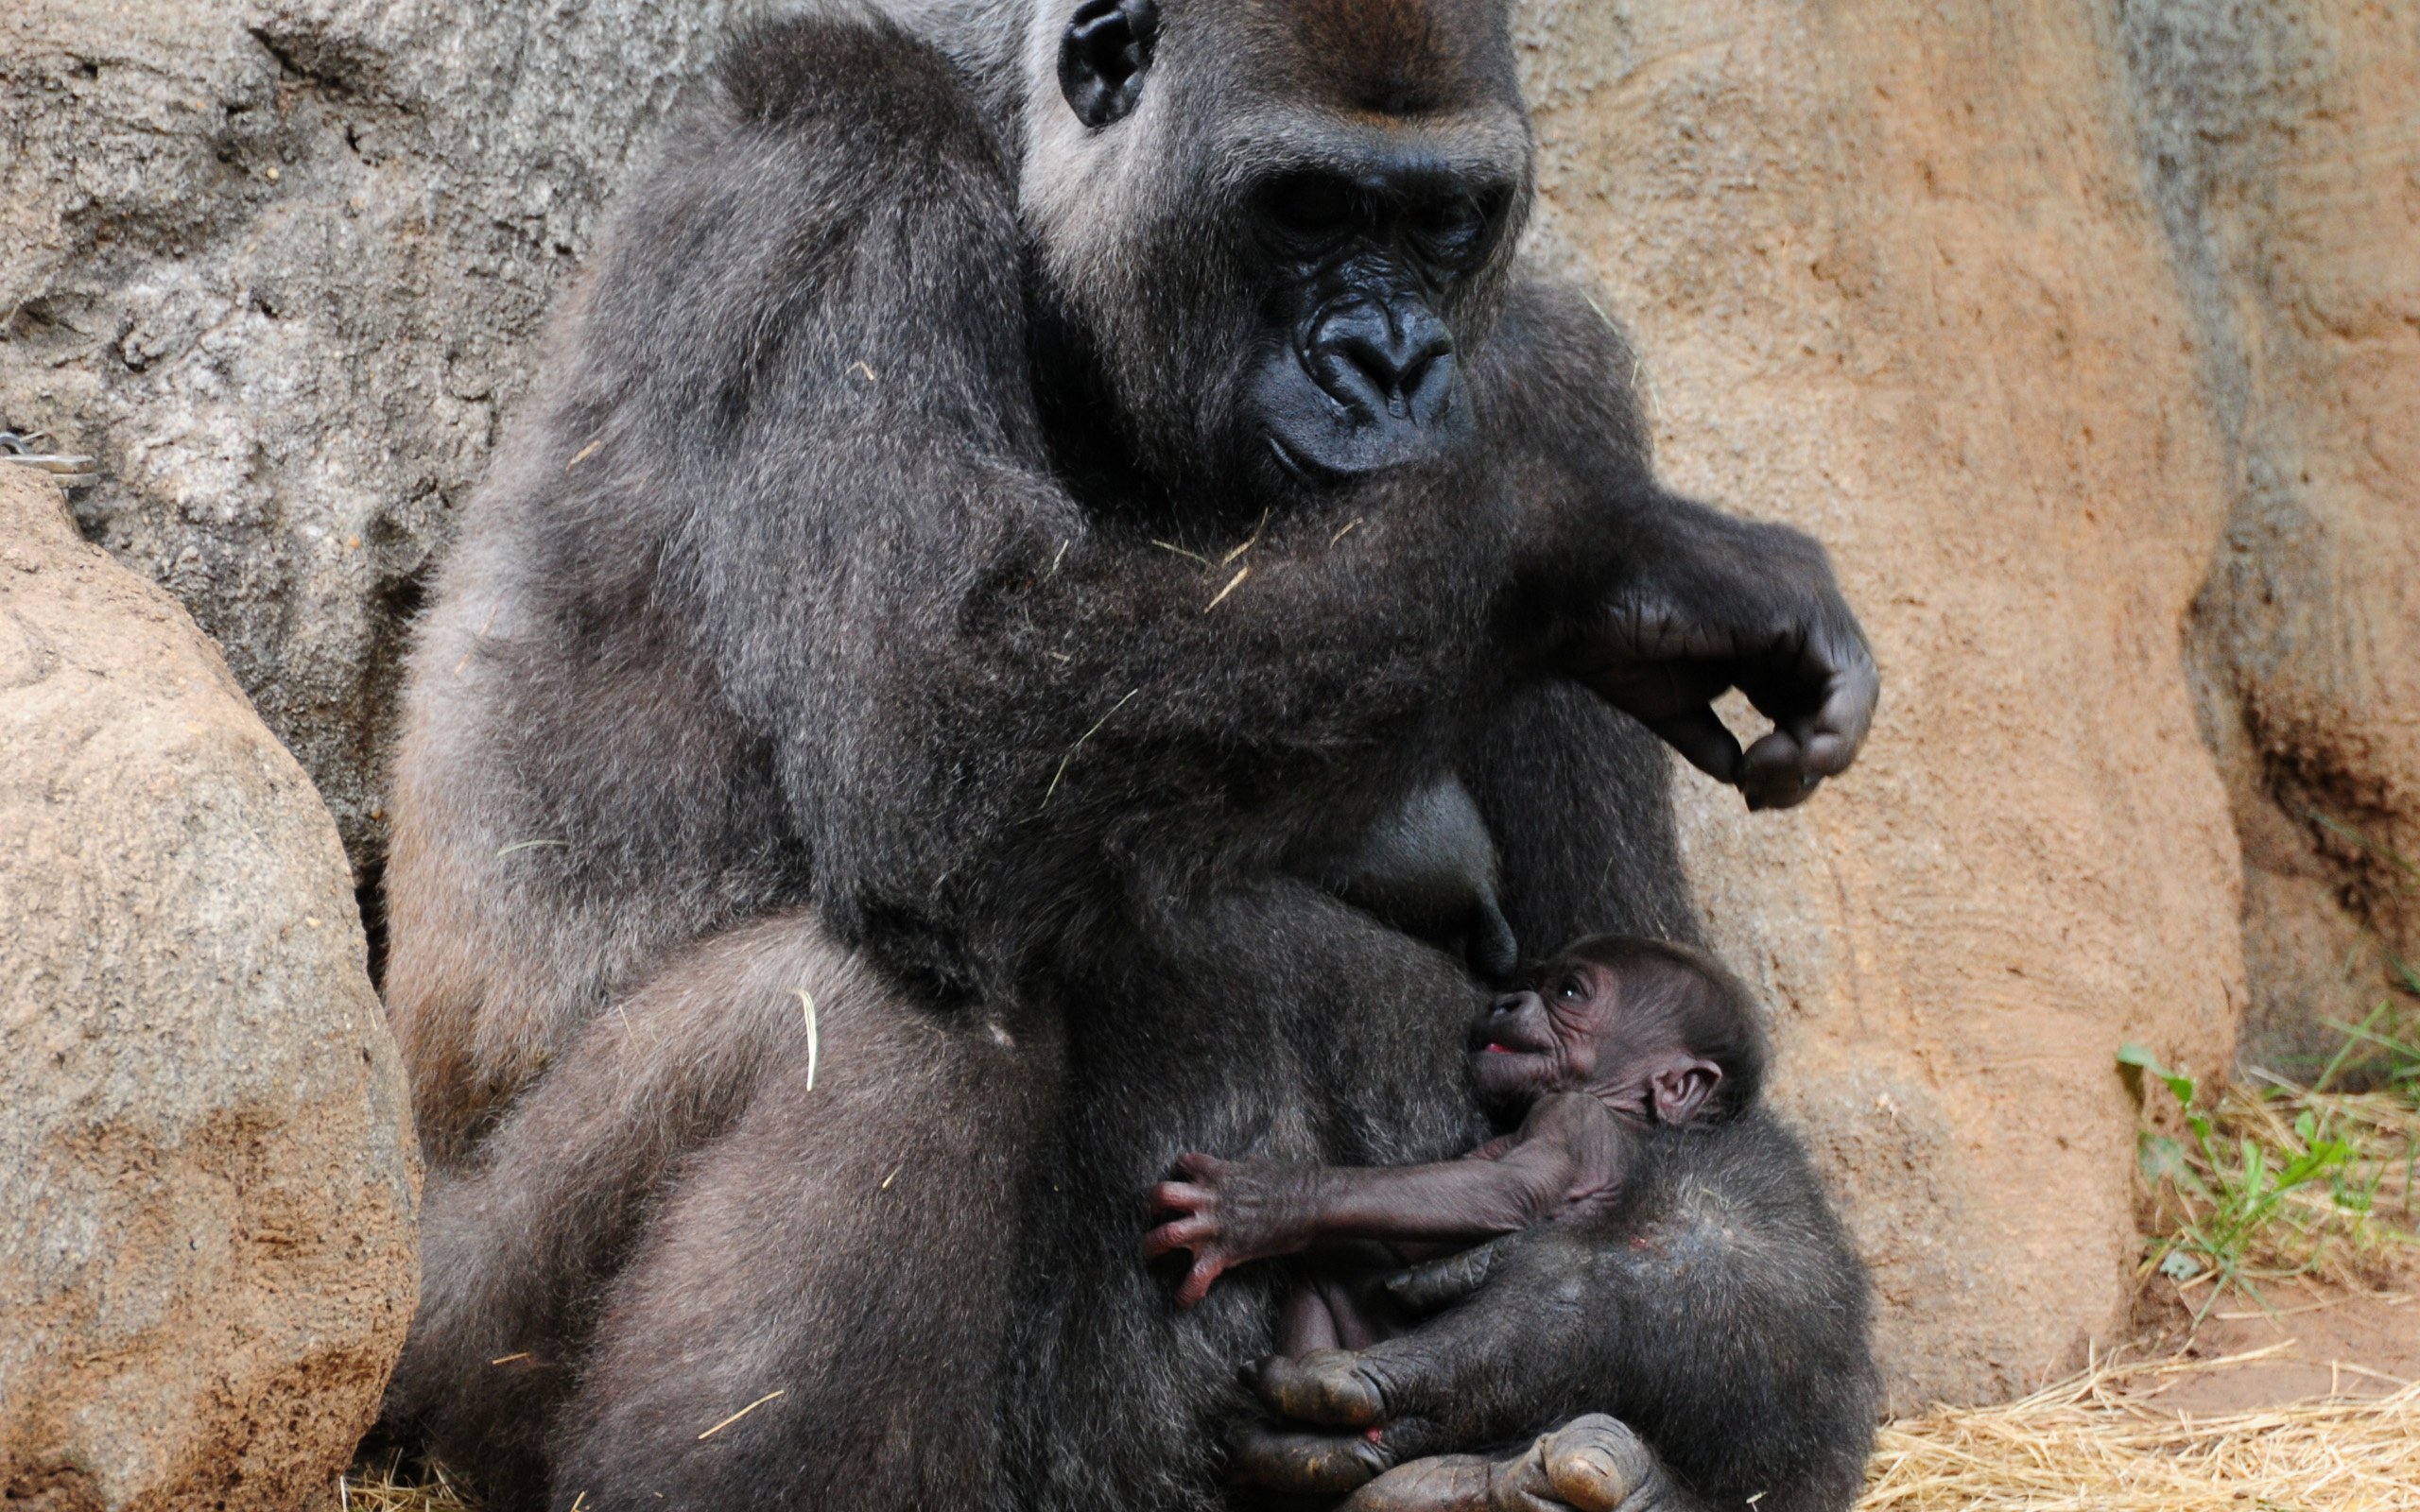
x=1571 y=988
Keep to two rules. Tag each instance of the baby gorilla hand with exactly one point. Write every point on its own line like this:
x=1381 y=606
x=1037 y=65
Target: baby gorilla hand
x=1225 y=1212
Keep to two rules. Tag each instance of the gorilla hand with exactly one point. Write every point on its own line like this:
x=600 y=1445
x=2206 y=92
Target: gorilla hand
x=1706 y=603
x=1227 y=1213
x=1505 y=1358
x=1592 y=1464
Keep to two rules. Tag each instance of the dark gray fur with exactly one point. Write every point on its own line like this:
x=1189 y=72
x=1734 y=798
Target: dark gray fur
x=1428 y=870
x=816 y=640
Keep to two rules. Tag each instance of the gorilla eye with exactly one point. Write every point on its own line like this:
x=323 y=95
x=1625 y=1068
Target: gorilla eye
x=1453 y=228
x=1103 y=56
x=1571 y=989
x=1311 y=207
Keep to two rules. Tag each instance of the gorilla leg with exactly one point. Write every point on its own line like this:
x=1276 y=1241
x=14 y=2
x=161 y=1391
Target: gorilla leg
x=516 y=1247
x=815 y=1316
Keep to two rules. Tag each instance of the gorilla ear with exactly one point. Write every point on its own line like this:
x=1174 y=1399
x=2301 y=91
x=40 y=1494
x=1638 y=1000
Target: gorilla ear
x=1103 y=56
x=1681 y=1088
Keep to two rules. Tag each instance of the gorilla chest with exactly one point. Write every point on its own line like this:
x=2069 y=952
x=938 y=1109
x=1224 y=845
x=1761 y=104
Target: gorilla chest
x=1350 y=1055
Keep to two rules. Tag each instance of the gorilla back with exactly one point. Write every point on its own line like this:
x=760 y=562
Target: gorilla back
x=1010 y=498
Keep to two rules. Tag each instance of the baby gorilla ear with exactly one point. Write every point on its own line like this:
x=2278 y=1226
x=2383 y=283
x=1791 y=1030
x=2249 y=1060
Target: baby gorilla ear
x=1681 y=1088
x=1103 y=56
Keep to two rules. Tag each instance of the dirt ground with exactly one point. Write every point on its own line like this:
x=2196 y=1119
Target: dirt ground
x=2309 y=1340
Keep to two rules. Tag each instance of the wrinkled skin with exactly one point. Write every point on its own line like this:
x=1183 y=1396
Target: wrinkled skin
x=1591 y=1463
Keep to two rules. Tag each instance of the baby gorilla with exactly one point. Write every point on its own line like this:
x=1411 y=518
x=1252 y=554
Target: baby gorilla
x=1617 y=1038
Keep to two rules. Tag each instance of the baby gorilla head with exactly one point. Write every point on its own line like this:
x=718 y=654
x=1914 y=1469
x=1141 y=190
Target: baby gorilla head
x=1658 y=1032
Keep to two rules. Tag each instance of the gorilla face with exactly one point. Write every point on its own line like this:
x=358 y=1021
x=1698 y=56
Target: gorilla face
x=1280 y=226
x=1359 y=366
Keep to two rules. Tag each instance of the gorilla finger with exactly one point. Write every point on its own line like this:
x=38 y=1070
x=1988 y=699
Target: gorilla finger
x=1197 y=1281
x=1440 y=1283
x=1846 y=716
x=1323 y=1386
x=1595 y=1463
x=1773 y=773
x=1446 y=1482
x=1701 y=739
x=1305 y=1464
x=1406 y=1438
x=1169 y=1237
x=1827 y=752
x=1178 y=1197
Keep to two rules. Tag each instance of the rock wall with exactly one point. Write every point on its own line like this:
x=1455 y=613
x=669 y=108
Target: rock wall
x=206 y=1158
x=1896 y=279
x=2283 y=145
x=2078 y=332
x=282 y=266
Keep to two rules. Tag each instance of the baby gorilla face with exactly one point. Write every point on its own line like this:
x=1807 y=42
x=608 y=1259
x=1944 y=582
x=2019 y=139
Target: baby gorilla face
x=1614 y=1029
x=1552 y=1037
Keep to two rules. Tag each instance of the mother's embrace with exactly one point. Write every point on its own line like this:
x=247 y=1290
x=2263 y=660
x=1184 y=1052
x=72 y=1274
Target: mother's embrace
x=1026 y=488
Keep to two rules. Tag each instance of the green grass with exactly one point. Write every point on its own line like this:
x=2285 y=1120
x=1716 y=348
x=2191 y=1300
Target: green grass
x=2273 y=1180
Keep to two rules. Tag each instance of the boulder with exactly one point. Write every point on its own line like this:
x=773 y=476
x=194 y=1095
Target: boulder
x=205 y=1149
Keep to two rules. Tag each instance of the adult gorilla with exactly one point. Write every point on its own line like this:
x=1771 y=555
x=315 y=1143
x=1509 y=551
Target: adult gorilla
x=1023 y=482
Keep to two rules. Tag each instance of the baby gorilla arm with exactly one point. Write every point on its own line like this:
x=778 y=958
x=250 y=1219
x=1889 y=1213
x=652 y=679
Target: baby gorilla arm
x=1570 y=1151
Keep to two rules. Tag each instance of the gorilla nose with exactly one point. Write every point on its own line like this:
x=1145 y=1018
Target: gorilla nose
x=1510 y=1003
x=1375 y=359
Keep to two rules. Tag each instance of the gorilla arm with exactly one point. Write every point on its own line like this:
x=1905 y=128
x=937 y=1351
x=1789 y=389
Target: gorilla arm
x=1656 y=602
x=1570 y=1151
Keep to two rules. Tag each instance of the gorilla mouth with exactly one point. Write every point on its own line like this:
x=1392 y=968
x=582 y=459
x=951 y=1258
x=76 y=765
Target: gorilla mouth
x=1501 y=1043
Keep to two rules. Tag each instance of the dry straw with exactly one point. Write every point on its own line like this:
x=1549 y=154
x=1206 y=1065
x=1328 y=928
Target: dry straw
x=387 y=1488
x=2103 y=1443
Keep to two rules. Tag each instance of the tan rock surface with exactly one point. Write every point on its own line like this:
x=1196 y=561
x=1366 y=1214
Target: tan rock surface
x=2092 y=345
x=1897 y=279
x=280 y=265
x=2285 y=156
x=205 y=1159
